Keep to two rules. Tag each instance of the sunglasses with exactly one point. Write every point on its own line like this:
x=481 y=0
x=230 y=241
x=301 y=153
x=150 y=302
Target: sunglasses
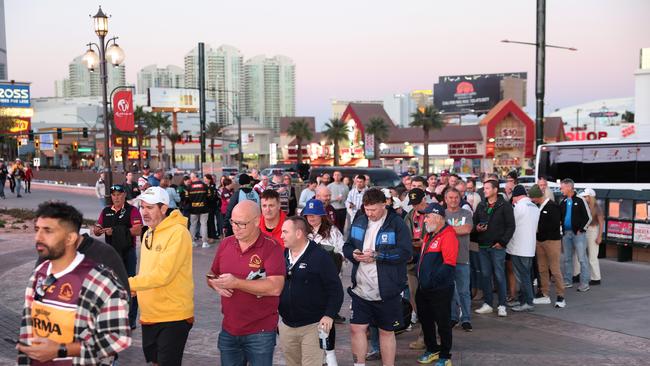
x=42 y=289
x=117 y=188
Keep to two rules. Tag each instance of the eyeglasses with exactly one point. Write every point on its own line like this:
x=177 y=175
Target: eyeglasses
x=240 y=225
x=42 y=289
x=148 y=240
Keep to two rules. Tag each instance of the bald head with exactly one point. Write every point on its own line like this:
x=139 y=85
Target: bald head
x=323 y=194
x=245 y=220
x=246 y=210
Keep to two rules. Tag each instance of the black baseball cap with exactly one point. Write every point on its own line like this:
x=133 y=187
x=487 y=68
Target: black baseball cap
x=117 y=188
x=519 y=190
x=435 y=208
x=145 y=166
x=416 y=195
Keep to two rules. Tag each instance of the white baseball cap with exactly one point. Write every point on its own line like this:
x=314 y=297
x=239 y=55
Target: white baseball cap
x=154 y=195
x=588 y=192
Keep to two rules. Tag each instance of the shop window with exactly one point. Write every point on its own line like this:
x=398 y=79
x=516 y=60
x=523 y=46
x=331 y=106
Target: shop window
x=641 y=211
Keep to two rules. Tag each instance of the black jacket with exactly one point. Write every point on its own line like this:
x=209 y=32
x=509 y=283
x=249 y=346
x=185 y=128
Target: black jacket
x=501 y=223
x=550 y=222
x=580 y=214
x=312 y=288
x=198 y=197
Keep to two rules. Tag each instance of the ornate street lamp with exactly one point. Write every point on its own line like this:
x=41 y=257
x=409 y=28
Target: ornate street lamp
x=115 y=55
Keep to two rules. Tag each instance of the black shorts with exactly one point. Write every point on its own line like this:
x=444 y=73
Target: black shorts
x=383 y=314
x=164 y=343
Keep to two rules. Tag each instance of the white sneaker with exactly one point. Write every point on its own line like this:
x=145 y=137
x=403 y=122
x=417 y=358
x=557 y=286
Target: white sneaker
x=485 y=309
x=205 y=245
x=523 y=307
x=545 y=300
x=560 y=303
x=501 y=311
x=414 y=318
x=195 y=244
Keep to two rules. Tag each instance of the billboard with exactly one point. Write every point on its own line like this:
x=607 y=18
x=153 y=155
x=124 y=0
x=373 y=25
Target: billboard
x=123 y=111
x=461 y=93
x=172 y=98
x=14 y=95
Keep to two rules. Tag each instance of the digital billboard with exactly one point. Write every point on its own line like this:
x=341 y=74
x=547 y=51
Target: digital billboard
x=171 y=98
x=462 y=93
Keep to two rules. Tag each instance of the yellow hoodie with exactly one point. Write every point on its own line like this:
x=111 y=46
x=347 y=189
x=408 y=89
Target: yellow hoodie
x=164 y=283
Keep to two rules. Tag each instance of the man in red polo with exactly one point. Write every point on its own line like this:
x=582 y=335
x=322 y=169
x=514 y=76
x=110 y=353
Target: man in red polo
x=248 y=273
x=272 y=216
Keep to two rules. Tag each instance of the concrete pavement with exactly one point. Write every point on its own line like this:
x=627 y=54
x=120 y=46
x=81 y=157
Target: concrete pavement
x=83 y=198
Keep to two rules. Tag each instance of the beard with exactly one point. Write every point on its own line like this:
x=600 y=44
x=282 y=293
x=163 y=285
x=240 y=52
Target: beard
x=429 y=228
x=50 y=252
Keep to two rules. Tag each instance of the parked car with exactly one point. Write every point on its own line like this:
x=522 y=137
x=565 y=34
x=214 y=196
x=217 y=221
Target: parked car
x=380 y=177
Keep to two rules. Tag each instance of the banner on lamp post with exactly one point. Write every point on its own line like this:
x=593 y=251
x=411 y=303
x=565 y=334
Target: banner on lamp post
x=123 y=111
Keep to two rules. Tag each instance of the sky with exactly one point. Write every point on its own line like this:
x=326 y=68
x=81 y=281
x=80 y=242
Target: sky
x=350 y=49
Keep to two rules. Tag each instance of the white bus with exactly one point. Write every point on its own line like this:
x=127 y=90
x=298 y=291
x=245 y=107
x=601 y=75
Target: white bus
x=598 y=164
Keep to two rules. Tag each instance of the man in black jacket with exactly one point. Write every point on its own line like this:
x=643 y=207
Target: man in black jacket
x=575 y=221
x=198 y=197
x=549 y=248
x=494 y=224
x=311 y=297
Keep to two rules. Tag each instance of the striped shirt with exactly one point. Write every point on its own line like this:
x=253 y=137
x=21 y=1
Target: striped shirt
x=355 y=199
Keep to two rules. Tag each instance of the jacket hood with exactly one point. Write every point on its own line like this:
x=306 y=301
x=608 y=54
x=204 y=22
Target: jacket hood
x=174 y=218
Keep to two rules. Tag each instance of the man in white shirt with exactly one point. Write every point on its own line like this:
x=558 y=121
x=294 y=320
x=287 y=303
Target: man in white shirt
x=340 y=193
x=354 y=200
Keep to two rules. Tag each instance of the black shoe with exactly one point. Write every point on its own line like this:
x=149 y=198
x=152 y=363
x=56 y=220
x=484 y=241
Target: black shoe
x=339 y=319
x=19 y=196
x=467 y=326
x=576 y=279
x=539 y=294
x=453 y=324
x=594 y=282
x=373 y=356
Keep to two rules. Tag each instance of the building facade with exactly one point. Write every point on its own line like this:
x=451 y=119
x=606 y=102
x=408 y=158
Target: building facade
x=153 y=76
x=81 y=82
x=4 y=73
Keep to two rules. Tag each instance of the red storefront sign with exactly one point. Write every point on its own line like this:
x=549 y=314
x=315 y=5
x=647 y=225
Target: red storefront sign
x=619 y=230
x=462 y=150
x=584 y=135
x=123 y=111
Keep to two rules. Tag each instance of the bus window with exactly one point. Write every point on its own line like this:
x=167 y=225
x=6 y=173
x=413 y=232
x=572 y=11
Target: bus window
x=567 y=163
x=641 y=211
x=621 y=209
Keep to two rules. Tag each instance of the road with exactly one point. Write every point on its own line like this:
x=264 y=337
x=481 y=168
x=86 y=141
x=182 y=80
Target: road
x=83 y=198
x=609 y=325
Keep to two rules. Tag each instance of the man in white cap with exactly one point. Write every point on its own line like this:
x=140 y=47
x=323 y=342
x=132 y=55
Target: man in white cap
x=164 y=284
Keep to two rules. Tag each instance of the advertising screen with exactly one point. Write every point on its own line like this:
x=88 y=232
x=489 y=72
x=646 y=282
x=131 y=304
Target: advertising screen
x=461 y=93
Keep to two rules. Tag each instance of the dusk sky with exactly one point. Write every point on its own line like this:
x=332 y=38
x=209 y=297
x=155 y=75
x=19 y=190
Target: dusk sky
x=352 y=49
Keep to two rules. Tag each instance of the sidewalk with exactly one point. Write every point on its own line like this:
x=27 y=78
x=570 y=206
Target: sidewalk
x=609 y=325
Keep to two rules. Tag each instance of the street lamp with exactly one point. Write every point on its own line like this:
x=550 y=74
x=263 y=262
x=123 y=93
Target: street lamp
x=115 y=55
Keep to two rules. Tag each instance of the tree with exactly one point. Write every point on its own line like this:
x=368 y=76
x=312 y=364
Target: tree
x=213 y=131
x=428 y=119
x=379 y=129
x=141 y=118
x=159 y=122
x=174 y=138
x=300 y=130
x=335 y=132
x=7 y=141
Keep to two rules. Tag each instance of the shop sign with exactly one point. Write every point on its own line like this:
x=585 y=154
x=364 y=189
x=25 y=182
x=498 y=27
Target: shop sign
x=506 y=162
x=369 y=146
x=20 y=125
x=123 y=111
x=460 y=150
x=583 y=135
x=117 y=140
x=509 y=142
x=642 y=233
x=14 y=95
x=619 y=229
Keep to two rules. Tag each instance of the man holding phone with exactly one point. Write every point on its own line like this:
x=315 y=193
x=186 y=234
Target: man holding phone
x=495 y=225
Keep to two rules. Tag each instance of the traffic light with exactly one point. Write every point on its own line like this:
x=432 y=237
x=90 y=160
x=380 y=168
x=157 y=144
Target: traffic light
x=18 y=142
x=37 y=144
x=56 y=144
x=31 y=135
x=85 y=132
x=75 y=146
x=59 y=134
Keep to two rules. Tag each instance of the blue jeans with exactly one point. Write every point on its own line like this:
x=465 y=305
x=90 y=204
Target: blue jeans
x=577 y=242
x=475 y=269
x=374 y=339
x=219 y=223
x=2 y=187
x=131 y=262
x=522 y=267
x=493 y=262
x=254 y=349
x=18 y=186
x=462 y=299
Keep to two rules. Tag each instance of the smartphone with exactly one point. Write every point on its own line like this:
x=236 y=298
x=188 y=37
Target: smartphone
x=210 y=276
x=15 y=342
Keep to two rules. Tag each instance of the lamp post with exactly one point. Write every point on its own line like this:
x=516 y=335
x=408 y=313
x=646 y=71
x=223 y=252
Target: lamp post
x=115 y=54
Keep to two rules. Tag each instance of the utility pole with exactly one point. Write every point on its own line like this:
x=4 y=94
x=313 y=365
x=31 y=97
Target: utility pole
x=540 y=66
x=202 y=100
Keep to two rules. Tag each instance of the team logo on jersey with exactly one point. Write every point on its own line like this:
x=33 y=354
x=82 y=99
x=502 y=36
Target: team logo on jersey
x=255 y=262
x=42 y=325
x=384 y=238
x=65 y=292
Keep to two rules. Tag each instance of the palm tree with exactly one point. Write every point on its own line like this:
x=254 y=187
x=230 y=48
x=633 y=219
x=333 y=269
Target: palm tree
x=174 y=138
x=428 y=119
x=379 y=129
x=142 y=120
x=300 y=130
x=213 y=131
x=336 y=131
x=159 y=122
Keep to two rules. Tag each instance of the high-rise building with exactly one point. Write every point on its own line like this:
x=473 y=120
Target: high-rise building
x=84 y=83
x=223 y=79
x=62 y=88
x=154 y=77
x=269 y=89
x=4 y=74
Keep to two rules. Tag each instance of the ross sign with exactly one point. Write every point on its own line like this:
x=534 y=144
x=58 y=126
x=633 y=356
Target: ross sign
x=174 y=98
x=37 y=162
x=458 y=93
x=14 y=94
x=461 y=150
x=123 y=110
x=642 y=233
x=619 y=230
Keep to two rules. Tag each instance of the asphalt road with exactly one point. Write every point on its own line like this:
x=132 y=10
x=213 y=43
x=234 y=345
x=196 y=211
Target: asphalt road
x=83 y=198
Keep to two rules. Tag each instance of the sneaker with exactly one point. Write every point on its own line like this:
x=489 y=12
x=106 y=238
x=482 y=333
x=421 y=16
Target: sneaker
x=545 y=300
x=443 y=362
x=594 y=282
x=428 y=357
x=373 y=356
x=414 y=317
x=195 y=244
x=467 y=326
x=560 y=303
x=524 y=307
x=417 y=344
x=568 y=285
x=512 y=303
x=501 y=311
x=485 y=309
x=576 y=279
x=338 y=319
x=583 y=288
x=205 y=245
x=453 y=323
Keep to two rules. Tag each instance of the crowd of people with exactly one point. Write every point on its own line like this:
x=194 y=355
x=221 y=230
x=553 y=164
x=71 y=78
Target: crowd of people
x=419 y=252
x=18 y=174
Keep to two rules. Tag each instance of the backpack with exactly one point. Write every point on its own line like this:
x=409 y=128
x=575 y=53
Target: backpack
x=252 y=195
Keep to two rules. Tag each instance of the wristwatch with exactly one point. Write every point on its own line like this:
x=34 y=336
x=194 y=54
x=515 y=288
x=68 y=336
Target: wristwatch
x=63 y=351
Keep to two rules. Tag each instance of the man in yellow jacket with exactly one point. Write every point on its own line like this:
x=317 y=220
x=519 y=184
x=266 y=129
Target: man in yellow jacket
x=164 y=284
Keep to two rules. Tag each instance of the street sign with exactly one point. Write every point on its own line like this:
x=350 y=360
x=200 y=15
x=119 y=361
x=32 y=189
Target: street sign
x=37 y=162
x=232 y=146
x=85 y=149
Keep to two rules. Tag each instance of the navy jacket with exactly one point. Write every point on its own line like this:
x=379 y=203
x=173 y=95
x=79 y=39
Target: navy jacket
x=394 y=248
x=312 y=288
x=580 y=213
x=437 y=265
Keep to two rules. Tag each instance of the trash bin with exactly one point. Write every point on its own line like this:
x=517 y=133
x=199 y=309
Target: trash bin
x=623 y=253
